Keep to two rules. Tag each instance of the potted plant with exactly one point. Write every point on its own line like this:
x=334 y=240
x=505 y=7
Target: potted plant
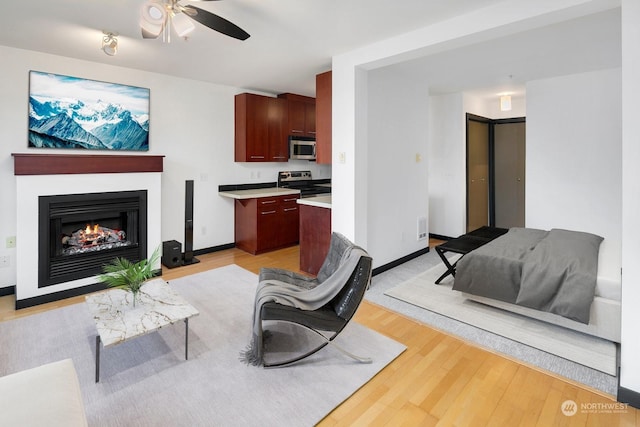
x=122 y=273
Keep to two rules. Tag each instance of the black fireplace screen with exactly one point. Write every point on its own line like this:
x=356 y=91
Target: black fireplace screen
x=80 y=233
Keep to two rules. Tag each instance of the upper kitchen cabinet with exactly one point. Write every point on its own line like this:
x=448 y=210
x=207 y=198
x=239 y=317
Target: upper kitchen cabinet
x=260 y=128
x=302 y=115
x=323 y=117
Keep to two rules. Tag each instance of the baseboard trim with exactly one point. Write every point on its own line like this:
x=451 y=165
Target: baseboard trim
x=399 y=261
x=629 y=396
x=439 y=237
x=214 y=249
x=9 y=290
x=57 y=296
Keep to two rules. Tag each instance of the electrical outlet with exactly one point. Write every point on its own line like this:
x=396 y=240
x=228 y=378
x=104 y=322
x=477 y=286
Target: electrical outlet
x=11 y=242
x=422 y=227
x=5 y=261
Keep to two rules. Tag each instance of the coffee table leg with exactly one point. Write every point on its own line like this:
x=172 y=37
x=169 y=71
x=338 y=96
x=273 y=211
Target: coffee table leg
x=186 y=339
x=97 y=358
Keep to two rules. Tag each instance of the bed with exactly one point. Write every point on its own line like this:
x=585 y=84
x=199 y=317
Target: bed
x=548 y=275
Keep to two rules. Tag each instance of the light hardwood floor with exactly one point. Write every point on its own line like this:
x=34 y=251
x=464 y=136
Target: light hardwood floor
x=439 y=380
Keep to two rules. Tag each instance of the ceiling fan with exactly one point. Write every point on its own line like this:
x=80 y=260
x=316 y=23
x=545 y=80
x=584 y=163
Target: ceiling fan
x=158 y=17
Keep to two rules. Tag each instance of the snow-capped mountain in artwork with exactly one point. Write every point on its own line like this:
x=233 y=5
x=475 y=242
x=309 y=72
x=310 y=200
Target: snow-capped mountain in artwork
x=71 y=112
x=100 y=126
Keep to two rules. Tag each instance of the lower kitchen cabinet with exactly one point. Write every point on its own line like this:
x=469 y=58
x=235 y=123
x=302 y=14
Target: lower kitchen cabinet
x=266 y=223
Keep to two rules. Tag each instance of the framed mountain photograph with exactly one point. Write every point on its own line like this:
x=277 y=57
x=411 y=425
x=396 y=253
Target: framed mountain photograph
x=71 y=112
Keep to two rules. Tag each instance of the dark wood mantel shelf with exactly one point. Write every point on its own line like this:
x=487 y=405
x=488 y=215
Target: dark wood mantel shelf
x=57 y=164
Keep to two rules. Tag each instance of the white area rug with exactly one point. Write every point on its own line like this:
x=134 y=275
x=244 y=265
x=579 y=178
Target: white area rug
x=147 y=382
x=580 y=348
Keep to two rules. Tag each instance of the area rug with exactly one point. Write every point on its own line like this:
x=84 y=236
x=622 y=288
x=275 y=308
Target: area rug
x=586 y=350
x=147 y=381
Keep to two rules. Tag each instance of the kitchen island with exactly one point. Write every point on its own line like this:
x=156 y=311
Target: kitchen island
x=258 y=192
x=315 y=232
x=265 y=218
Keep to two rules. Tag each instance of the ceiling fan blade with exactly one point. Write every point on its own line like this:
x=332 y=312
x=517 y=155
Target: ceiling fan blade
x=218 y=23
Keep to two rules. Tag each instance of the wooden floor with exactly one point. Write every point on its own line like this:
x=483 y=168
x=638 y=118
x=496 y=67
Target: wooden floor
x=439 y=380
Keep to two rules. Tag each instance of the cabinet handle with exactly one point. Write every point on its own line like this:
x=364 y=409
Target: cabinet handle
x=312 y=131
x=257 y=157
x=267 y=202
x=268 y=212
x=280 y=157
x=296 y=131
x=290 y=209
x=290 y=200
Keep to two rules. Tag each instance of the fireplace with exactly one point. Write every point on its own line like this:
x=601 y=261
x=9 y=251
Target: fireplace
x=79 y=233
x=49 y=175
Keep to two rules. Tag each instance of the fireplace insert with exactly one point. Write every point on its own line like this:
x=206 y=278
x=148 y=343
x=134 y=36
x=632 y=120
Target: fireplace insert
x=80 y=233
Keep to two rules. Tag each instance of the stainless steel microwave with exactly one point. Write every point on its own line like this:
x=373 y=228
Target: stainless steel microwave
x=301 y=148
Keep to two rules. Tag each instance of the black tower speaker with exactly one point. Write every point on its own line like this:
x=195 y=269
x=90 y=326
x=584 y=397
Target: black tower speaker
x=188 y=225
x=172 y=253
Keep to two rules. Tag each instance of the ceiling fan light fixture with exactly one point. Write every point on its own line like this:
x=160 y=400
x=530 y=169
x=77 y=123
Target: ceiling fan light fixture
x=160 y=17
x=152 y=17
x=182 y=25
x=110 y=43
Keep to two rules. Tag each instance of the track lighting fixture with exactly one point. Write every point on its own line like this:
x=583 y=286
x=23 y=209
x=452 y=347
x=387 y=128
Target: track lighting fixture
x=110 y=43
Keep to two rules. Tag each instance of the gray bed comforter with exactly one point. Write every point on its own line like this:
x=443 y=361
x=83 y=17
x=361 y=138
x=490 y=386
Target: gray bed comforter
x=553 y=271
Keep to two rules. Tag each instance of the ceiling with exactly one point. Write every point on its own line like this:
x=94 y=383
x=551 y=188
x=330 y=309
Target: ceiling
x=293 y=40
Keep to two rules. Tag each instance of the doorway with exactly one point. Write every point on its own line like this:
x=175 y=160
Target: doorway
x=495 y=172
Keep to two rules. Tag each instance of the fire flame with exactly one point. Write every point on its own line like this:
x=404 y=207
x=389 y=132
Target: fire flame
x=96 y=229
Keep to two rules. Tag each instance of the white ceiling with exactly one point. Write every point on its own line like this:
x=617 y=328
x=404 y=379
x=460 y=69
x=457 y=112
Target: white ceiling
x=504 y=65
x=293 y=40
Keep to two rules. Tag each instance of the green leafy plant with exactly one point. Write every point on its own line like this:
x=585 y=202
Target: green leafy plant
x=122 y=273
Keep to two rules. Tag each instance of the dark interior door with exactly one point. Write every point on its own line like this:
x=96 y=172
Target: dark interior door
x=509 y=175
x=477 y=174
x=495 y=172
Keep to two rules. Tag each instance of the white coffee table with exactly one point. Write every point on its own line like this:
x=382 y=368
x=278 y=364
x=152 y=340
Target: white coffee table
x=117 y=320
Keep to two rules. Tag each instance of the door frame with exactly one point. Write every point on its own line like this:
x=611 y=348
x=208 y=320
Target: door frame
x=491 y=176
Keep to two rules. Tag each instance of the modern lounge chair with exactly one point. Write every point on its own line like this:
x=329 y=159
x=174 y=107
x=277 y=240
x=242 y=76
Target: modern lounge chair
x=333 y=316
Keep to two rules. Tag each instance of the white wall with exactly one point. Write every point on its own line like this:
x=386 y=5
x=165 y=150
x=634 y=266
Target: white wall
x=398 y=106
x=191 y=123
x=446 y=160
x=630 y=349
x=574 y=158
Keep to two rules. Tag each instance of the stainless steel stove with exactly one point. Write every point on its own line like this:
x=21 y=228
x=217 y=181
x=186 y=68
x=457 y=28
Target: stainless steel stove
x=301 y=180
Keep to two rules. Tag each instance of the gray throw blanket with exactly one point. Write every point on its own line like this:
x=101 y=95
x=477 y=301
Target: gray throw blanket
x=306 y=293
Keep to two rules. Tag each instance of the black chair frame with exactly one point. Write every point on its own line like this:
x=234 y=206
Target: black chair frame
x=332 y=317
